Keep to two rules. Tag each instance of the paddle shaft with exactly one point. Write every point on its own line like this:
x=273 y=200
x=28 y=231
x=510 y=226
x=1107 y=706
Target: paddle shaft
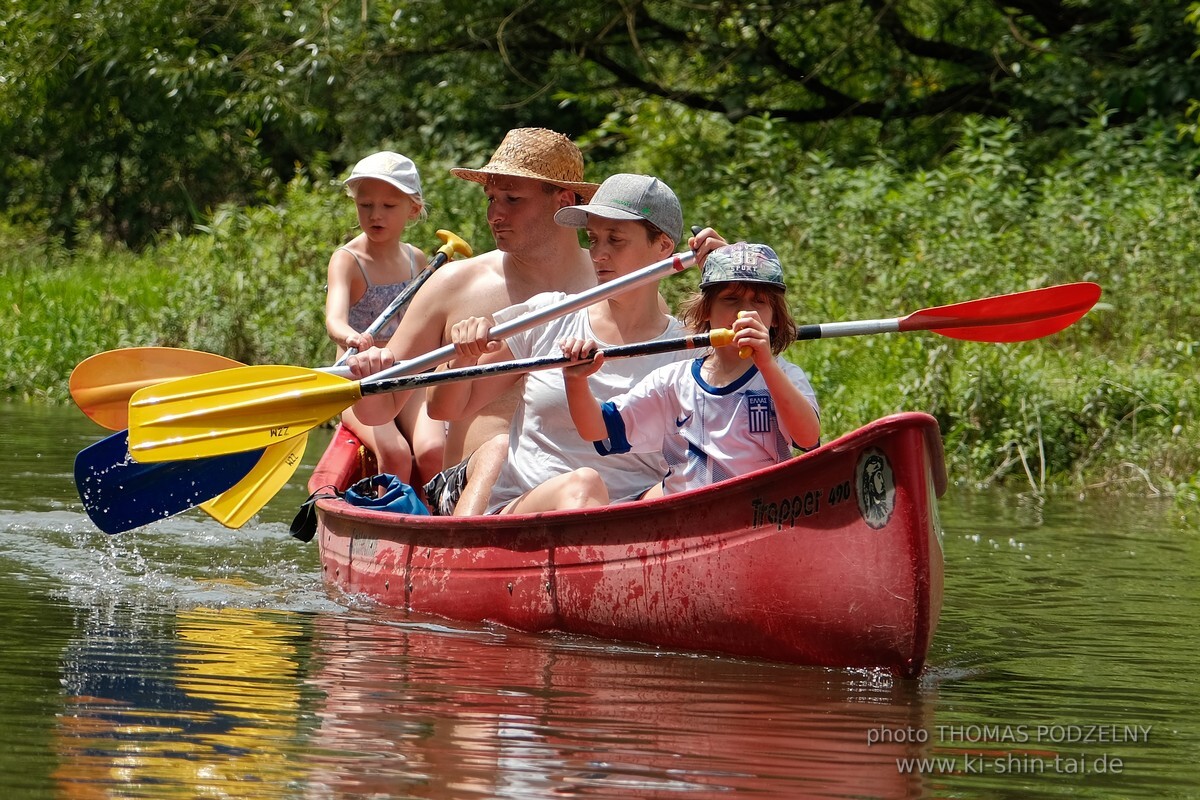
x=659 y=269
x=1013 y=317
x=717 y=338
x=453 y=244
x=250 y=407
x=831 y=330
x=277 y=403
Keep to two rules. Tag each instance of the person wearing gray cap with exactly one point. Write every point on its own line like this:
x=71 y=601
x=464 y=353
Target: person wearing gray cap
x=363 y=277
x=726 y=413
x=631 y=221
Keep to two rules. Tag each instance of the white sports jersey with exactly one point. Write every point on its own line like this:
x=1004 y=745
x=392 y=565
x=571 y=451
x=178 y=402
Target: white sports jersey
x=543 y=441
x=706 y=433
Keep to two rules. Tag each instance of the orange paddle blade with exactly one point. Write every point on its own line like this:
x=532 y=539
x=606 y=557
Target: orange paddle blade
x=101 y=385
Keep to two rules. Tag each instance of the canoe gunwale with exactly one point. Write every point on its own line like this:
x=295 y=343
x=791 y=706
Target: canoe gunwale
x=643 y=507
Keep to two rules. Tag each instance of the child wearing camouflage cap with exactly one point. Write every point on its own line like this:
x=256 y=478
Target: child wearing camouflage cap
x=731 y=411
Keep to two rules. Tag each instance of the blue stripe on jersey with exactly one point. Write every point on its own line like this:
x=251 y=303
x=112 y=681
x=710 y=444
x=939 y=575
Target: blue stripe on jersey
x=615 y=425
x=720 y=391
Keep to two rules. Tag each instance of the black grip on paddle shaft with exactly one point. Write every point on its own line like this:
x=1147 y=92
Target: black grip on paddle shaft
x=535 y=363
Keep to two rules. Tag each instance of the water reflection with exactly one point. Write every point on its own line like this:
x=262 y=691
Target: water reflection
x=185 y=660
x=435 y=713
x=346 y=706
x=190 y=712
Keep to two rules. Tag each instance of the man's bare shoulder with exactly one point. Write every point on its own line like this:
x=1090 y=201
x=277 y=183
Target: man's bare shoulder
x=467 y=281
x=457 y=290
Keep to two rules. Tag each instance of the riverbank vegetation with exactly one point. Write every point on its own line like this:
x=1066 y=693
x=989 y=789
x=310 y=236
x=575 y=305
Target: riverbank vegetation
x=872 y=218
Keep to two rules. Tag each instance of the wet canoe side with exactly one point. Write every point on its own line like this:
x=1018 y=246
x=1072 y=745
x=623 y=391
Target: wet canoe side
x=832 y=559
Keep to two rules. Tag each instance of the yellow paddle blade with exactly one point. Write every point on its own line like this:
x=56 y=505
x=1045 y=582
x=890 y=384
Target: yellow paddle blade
x=101 y=385
x=234 y=507
x=248 y=408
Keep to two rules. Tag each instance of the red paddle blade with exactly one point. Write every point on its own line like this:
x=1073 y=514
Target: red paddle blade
x=1016 y=317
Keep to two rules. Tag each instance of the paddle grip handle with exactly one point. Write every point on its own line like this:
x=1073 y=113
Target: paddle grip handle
x=744 y=352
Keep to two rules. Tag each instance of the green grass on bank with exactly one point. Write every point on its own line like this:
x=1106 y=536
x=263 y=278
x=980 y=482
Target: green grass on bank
x=1109 y=404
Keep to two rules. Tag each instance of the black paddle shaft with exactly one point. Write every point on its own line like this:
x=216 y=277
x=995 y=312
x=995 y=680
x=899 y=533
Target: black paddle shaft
x=406 y=382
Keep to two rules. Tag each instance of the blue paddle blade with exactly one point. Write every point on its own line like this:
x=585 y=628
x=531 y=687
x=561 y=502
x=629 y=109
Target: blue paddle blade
x=120 y=494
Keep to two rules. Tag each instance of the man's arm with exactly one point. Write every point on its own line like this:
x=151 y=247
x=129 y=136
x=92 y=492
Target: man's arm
x=453 y=401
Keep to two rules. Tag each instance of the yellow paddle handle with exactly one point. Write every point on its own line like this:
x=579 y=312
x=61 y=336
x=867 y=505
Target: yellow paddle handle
x=720 y=337
x=453 y=244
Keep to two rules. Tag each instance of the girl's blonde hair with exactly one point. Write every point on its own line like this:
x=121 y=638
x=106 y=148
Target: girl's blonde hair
x=696 y=310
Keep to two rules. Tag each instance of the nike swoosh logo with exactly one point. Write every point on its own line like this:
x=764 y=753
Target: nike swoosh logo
x=679 y=423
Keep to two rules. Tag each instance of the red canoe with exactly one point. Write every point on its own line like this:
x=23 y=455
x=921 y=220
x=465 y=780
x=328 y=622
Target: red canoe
x=831 y=559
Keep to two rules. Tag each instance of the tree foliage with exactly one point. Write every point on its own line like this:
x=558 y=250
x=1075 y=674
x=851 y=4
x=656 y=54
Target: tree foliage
x=138 y=116
x=134 y=117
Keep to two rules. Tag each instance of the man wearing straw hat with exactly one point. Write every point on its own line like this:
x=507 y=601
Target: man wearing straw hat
x=533 y=173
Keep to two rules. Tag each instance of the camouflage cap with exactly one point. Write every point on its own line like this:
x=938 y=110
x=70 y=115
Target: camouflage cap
x=744 y=263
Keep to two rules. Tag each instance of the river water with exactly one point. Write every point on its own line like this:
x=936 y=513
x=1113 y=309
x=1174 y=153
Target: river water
x=184 y=660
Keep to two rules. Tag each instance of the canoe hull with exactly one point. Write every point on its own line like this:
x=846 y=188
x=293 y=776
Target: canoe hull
x=831 y=559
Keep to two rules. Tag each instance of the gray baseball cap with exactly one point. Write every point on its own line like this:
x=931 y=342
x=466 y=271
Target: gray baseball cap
x=630 y=197
x=742 y=263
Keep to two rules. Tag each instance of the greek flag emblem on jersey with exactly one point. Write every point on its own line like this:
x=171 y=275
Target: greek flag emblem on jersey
x=758 y=406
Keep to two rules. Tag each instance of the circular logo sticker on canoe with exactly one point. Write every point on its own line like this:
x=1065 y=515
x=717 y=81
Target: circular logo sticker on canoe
x=875 y=487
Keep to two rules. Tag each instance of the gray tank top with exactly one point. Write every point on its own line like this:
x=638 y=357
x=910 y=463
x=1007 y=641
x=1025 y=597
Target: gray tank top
x=376 y=298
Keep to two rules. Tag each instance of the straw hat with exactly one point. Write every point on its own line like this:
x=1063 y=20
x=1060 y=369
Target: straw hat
x=536 y=153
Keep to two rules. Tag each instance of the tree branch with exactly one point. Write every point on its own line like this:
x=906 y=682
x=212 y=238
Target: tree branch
x=1055 y=18
x=889 y=21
